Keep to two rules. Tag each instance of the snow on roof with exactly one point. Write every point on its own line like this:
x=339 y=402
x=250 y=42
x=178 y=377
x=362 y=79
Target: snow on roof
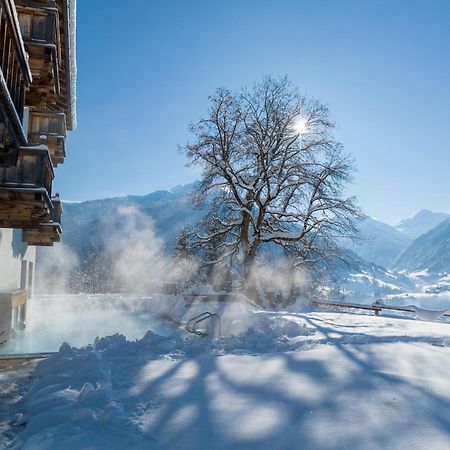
x=72 y=28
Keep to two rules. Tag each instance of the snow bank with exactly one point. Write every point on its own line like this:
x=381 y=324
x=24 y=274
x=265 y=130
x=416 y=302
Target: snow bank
x=77 y=394
x=114 y=393
x=428 y=314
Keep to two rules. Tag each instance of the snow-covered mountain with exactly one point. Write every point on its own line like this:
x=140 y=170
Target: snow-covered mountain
x=88 y=222
x=421 y=223
x=89 y=225
x=380 y=243
x=429 y=252
x=356 y=278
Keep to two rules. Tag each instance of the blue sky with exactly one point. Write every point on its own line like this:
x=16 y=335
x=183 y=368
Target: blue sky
x=146 y=68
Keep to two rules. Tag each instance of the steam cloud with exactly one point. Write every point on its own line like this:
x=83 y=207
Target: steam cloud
x=137 y=262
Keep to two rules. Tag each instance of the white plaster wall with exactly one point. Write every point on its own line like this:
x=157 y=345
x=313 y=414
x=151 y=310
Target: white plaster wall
x=12 y=252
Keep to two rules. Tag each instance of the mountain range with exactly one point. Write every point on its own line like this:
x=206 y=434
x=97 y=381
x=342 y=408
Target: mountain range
x=430 y=252
x=421 y=223
x=379 y=261
x=379 y=242
x=168 y=211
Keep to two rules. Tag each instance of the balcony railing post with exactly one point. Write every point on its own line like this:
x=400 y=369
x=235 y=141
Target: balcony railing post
x=2 y=30
x=16 y=76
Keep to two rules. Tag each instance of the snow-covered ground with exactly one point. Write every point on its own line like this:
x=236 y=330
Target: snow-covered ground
x=291 y=380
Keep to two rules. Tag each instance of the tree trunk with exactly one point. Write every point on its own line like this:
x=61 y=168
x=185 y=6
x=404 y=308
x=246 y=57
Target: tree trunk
x=250 y=288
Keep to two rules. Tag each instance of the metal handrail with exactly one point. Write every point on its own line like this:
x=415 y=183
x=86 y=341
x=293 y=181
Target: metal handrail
x=191 y=326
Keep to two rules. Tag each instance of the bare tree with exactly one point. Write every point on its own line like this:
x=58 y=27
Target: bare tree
x=273 y=174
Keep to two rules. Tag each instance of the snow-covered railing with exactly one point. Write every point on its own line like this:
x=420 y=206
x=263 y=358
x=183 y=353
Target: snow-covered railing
x=379 y=306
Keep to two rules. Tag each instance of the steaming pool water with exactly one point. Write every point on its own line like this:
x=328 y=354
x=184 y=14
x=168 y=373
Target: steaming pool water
x=79 y=319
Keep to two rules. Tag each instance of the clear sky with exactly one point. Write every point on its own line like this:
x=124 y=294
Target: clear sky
x=146 y=68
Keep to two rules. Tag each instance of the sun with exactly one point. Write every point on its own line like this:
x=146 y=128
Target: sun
x=301 y=125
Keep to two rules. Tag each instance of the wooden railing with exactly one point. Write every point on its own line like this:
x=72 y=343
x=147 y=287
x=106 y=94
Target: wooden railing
x=375 y=307
x=46 y=123
x=15 y=70
x=33 y=170
x=47 y=233
x=38 y=22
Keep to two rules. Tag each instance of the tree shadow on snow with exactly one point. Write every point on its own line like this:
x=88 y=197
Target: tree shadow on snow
x=347 y=395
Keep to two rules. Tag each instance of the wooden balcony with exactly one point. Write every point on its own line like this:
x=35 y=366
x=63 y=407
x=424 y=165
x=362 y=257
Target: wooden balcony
x=25 y=190
x=48 y=31
x=47 y=233
x=52 y=126
x=39 y=23
x=44 y=236
x=15 y=76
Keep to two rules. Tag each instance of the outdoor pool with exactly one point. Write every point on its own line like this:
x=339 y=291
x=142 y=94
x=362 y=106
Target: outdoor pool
x=79 y=319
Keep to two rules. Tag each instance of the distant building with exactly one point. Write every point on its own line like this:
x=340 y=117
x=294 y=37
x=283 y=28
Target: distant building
x=37 y=107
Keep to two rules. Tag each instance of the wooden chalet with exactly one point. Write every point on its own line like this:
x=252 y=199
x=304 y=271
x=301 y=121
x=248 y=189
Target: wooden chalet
x=37 y=108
